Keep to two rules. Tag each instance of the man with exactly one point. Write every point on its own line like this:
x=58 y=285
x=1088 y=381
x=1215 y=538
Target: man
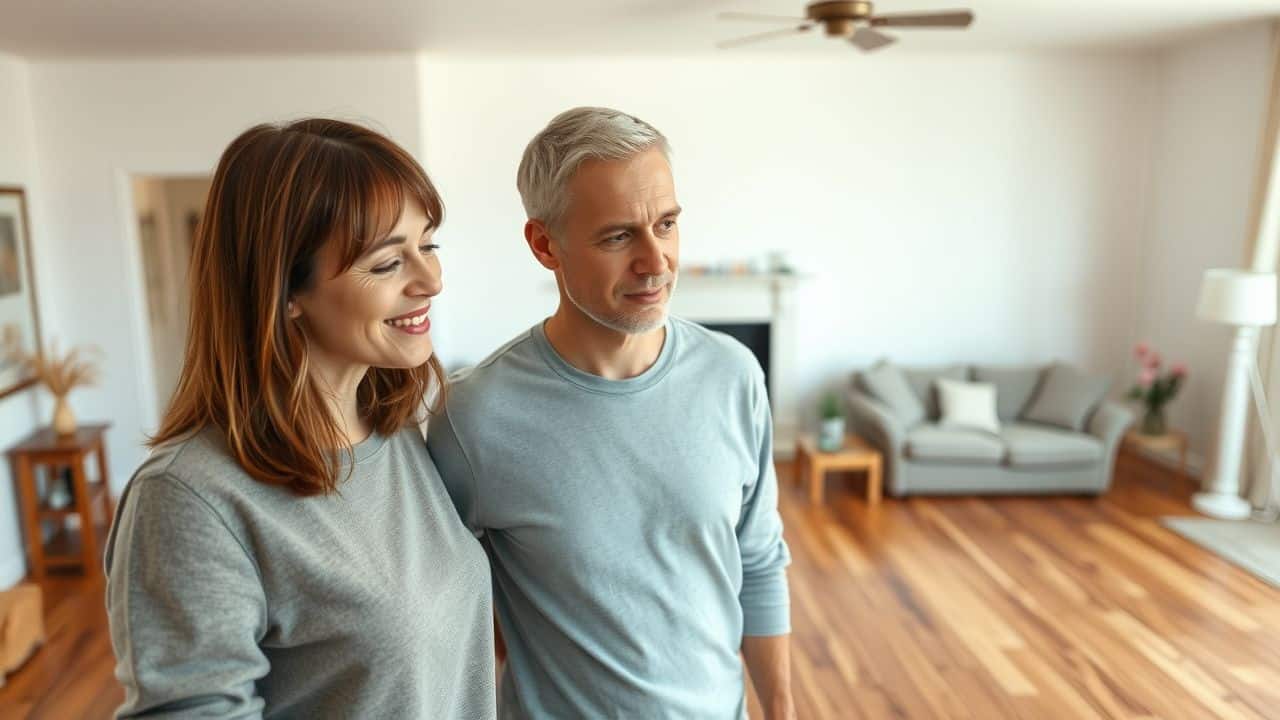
x=618 y=462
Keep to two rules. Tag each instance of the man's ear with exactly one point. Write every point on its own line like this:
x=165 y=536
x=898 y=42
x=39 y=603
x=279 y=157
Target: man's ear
x=541 y=244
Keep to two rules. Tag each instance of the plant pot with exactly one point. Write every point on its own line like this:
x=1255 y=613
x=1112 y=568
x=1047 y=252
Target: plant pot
x=64 y=421
x=831 y=437
x=1153 y=422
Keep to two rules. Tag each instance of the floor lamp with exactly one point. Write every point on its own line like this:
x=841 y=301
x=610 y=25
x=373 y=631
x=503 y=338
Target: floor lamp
x=1246 y=300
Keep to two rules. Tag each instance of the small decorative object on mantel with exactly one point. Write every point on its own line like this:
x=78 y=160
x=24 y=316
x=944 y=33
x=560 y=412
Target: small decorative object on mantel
x=60 y=374
x=1155 y=387
x=832 y=436
x=759 y=266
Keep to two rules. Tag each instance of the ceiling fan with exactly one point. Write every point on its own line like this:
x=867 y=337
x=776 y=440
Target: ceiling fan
x=852 y=19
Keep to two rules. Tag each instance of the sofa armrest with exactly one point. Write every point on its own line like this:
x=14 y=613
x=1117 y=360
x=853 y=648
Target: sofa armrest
x=1109 y=423
x=875 y=423
x=873 y=420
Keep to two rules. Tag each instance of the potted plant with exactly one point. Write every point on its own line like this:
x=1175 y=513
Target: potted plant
x=831 y=438
x=1155 y=387
x=60 y=374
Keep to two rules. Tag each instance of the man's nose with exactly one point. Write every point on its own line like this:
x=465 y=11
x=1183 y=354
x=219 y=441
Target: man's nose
x=651 y=258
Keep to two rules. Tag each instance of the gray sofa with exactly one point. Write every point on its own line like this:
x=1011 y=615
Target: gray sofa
x=1057 y=432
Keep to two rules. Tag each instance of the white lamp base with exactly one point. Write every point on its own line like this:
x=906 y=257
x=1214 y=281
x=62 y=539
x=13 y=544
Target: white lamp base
x=1221 y=505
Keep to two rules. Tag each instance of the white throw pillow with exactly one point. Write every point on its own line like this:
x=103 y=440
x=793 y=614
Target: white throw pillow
x=968 y=405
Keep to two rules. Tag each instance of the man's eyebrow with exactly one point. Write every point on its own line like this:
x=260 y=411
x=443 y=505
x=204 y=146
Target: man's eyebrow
x=613 y=227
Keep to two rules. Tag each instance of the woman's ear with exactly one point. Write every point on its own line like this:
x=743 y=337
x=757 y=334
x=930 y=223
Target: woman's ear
x=294 y=312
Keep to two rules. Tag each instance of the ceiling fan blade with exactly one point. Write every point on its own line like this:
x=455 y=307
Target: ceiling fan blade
x=949 y=19
x=759 y=37
x=756 y=17
x=868 y=40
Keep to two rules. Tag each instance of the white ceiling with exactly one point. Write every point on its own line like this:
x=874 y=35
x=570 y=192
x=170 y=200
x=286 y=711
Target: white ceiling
x=139 y=28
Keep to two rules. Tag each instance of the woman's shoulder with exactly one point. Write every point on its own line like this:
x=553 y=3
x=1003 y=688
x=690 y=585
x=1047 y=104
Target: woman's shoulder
x=200 y=458
x=203 y=466
x=178 y=509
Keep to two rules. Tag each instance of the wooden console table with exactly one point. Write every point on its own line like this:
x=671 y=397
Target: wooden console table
x=67 y=547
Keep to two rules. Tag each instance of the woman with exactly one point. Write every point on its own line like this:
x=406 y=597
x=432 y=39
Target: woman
x=288 y=549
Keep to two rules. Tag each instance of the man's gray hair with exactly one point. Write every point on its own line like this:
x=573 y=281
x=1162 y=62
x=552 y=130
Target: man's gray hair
x=583 y=133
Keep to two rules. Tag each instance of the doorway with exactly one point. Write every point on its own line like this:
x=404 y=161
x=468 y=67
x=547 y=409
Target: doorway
x=167 y=211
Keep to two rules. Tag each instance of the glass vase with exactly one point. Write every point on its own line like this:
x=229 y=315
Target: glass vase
x=1153 y=422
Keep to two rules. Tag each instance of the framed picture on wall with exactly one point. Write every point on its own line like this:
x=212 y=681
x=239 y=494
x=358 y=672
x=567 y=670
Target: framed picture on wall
x=19 y=318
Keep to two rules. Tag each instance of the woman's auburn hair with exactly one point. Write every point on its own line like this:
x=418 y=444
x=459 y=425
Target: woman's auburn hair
x=280 y=194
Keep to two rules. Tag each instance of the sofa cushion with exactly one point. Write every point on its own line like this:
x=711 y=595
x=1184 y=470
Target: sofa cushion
x=934 y=443
x=887 y=383
x=922 y=379
x=1067 y=398
x=1014 y=387
x=967 y=405
x=1032 y=445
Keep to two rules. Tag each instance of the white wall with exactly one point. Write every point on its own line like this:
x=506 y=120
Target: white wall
x=1211 y=112
x=945 y=208
x=948 y=208
x=97 y=122
x=18 y=413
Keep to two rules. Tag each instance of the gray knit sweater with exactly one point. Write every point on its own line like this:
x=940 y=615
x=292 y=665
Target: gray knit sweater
x=229 y=598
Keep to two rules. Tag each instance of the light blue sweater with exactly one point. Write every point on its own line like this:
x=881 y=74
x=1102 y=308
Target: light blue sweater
x=632 y=525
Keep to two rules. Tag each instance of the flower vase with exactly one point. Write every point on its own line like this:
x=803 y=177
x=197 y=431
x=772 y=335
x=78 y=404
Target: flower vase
x=64 y=421
x=1153 y=422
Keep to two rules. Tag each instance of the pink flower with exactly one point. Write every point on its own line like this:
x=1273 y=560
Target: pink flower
x=1140 y=350
x=1153 y=361
x=1179 y=370
x=1146 y=377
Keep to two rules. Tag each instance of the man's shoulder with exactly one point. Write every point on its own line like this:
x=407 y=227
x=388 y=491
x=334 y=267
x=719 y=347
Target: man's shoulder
x=493 y=376
x=702 y=344
x=495 y=365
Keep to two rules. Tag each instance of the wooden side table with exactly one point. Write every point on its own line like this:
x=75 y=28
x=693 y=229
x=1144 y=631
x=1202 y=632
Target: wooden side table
x=67 y=547
x=1172 y=440
x=813 y=464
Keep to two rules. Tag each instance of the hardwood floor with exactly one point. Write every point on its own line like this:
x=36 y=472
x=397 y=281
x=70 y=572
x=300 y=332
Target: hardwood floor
x=1025 y=608
x=72 y=675
x=977 y=608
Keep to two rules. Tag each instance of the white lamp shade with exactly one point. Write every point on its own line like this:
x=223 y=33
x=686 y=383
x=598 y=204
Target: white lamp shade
x=1238 y=297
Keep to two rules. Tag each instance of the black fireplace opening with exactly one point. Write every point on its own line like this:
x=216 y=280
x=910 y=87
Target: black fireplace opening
x=755 y=336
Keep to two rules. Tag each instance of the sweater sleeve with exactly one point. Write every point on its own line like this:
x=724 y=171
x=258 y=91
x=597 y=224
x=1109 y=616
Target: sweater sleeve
x=186 y=607
x=455 y=470
x=765 y=596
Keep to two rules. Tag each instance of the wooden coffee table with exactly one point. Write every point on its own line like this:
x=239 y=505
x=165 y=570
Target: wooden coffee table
x=812 y=465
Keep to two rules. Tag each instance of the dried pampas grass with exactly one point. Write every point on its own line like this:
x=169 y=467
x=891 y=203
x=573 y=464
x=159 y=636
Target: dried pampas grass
x=59 y=373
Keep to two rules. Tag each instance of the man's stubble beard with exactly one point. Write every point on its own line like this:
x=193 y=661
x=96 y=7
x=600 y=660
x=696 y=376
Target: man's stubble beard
x=629 y=324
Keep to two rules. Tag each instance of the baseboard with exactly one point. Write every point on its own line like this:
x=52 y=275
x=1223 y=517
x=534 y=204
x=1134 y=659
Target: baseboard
x=12 y=571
